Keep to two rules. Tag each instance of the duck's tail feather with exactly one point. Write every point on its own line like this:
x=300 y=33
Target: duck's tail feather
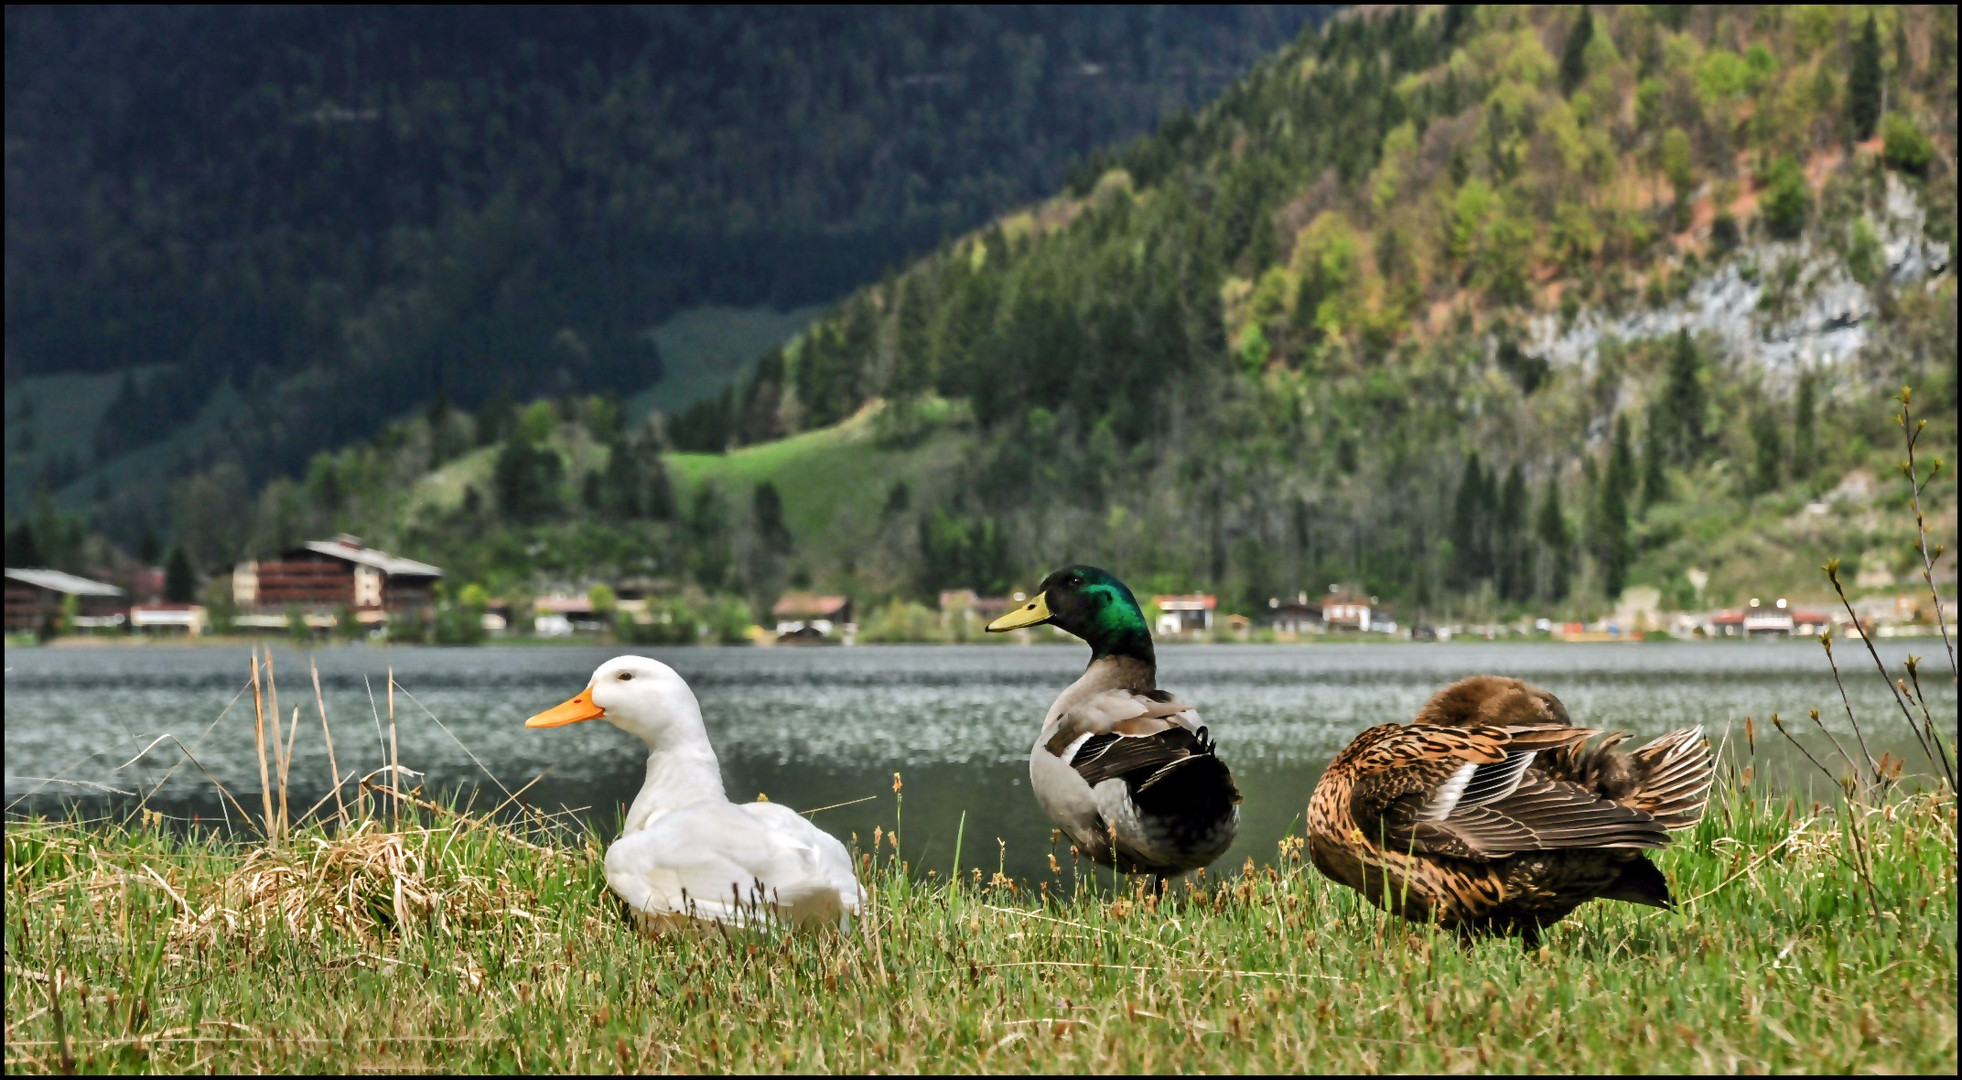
x=1198 y=786
x=1677 y=770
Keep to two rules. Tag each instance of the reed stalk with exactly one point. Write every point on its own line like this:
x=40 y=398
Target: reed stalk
x=259 y=738
x=334 y=766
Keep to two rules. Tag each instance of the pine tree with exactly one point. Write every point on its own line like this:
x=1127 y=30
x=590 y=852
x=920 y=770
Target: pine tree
x=1465 y=523
x=526 y=478
x=1573 y=60
x=1863 y=84
x=1655 y=482
x=1556 y=544
x=621 y=488
x=180 y=583
x=912 y=363
x=1682 y=401
x=1803 y=438
x=1508 y=544
x=769 y=519
x=1612 y=546
x=1770 y=451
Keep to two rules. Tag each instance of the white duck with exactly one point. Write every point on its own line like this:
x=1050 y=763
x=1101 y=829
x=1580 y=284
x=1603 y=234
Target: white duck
x=687 y=851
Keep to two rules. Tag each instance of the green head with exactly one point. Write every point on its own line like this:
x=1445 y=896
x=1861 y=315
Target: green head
x=1093 y=605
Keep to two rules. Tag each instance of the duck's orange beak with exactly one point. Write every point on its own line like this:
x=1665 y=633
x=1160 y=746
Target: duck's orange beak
x=579 y=708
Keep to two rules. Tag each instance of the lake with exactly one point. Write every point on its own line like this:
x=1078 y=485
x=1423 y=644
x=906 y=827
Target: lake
x=817 y=726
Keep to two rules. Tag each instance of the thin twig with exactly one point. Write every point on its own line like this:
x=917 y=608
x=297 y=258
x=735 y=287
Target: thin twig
x=1934 y=733
x=513 y=797
x=334 y=795
x=1832 y=573
x=186 y=751
x=1780 y=725
x=446 y=730
x=1915 y=484
x=833 y=806
x=1826 y=639
x=1863 y=866
x=403 y=796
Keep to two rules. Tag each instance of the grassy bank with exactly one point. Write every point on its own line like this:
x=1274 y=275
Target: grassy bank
x=447 y=943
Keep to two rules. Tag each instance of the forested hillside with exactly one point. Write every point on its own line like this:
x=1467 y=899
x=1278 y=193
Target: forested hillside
x=269 y=230
x=1501 y=305
x=1486 y=311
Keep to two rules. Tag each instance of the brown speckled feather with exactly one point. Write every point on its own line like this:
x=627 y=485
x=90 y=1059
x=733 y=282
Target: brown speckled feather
x=1489 y=813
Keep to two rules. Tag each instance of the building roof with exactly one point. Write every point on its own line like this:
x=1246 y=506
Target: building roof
x=803 y=605
x=57 y=581
x=1187 y=602
x=955 y=599
x=351 y=549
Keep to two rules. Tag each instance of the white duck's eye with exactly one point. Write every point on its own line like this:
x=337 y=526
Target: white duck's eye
x=624 y=676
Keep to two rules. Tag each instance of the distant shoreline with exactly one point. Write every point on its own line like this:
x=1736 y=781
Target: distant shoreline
x=1343 y=641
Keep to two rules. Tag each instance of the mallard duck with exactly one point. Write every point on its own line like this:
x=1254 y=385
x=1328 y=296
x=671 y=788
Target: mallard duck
x=1488 y=813
x=1125 y=768
x=687 y=853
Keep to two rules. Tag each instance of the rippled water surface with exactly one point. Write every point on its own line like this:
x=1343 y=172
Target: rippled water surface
x=817 y=726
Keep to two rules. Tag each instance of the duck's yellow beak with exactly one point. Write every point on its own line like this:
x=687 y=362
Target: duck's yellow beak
x=579 y=708
x=1030 y=614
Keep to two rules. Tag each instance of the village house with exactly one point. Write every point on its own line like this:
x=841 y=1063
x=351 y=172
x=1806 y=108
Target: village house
x=320 y=577
x=35 y=599
x=1758 y=619
x=1184 y=614
x=1296 y=616
x=165 y=618
x=809 y=614
x=559 y=615
x=1348 y=611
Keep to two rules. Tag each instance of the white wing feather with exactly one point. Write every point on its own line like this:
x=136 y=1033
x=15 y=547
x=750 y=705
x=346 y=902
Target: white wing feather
x=709 y=860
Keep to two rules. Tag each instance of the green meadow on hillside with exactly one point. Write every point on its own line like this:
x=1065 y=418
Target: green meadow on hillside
x=835 y=482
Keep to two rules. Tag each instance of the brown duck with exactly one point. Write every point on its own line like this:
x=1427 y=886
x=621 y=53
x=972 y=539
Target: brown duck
x=1490 y=815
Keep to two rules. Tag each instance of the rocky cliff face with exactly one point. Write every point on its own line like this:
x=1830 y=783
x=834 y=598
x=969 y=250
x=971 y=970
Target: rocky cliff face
x=1782 y=306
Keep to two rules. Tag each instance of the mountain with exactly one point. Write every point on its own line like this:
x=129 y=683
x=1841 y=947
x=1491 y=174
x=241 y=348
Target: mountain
x=245 y=235
x=1484 y=311
x=1478 y=310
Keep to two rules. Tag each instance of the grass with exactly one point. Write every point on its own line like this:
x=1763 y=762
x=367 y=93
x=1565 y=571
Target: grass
x=450 y=943
x=834 y=481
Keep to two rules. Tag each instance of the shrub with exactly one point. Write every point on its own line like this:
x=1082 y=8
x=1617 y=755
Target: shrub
x=1786 y=199
x=1903 y=146
x=1724 y=234
x=1864 y=258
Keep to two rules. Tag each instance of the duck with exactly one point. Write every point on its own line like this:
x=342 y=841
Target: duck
x=1125 y=769
x=1490 y=814
x=688 y=856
